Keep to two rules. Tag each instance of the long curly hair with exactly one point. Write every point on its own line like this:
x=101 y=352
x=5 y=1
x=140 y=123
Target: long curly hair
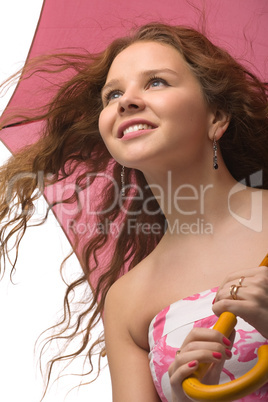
x=71 y=146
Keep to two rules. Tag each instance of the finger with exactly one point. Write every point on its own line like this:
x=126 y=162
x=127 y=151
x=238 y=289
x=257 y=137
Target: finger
x=187 y=362
x=229 y=285
x=247 y=273
x=232 y=337
x=234 y=291
x=202 y=351
x=254 y=287
x=202 y=335
x=207 y=355
x=176 y=377
x=241 y=308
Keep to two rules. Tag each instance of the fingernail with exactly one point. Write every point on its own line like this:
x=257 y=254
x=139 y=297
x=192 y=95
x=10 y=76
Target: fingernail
x=228 y=353
x=214 y=300
x=192 y=364
x=226 y=341
x=217 y=355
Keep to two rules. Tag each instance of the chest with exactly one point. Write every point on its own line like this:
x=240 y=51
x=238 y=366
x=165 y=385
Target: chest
x=190 y=272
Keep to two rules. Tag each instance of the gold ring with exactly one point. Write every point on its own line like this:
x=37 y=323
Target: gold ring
x=234 y=290
x=178 y=352
x=241 y=280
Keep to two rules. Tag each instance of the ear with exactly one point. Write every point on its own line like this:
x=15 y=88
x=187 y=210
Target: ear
x=219 y=124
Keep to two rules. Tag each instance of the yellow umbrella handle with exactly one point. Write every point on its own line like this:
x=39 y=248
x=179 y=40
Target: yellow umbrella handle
x=232 y=390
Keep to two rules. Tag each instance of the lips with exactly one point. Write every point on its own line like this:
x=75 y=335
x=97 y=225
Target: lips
x=134 y=126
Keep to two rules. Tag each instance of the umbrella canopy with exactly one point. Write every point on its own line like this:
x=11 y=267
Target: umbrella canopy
x=239 y=26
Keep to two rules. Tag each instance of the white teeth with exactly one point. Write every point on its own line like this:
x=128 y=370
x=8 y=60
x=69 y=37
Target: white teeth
x=137 y=127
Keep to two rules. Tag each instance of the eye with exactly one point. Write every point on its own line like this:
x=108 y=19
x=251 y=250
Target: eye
x=156 y=82
x=111 y=95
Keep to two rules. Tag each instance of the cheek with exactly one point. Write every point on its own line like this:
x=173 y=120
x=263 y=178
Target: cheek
x=190 y=113
x=101 y=123
x=173 y=108
x=105 y=123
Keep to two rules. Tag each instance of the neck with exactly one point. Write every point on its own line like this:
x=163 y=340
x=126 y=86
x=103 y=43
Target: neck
x=193 y=201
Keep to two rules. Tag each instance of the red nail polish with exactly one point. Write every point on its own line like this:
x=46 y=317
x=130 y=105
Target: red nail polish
x=226 y=341
x=228 y=353
x=192 y=364
x=217 y=355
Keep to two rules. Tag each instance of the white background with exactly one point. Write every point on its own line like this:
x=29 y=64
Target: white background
x=35 y=301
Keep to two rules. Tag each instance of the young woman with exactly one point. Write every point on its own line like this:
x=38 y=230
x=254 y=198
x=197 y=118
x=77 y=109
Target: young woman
x=181 y=127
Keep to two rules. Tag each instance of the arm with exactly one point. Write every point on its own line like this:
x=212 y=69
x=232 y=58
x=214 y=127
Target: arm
x=128 y=363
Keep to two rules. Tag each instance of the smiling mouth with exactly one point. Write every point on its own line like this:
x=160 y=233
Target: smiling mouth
x=136 y=127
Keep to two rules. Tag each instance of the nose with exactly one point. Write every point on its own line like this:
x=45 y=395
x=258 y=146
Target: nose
x=129 y=103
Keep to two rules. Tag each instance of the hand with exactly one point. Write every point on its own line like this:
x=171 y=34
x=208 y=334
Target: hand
x=202 y=345
x=252 y=297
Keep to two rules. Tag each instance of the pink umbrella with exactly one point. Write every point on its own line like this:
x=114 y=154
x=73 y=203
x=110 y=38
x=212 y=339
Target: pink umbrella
x=240 y=27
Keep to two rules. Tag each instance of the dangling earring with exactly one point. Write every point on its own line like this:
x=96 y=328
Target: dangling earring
x=215 y=155
x=123 y=191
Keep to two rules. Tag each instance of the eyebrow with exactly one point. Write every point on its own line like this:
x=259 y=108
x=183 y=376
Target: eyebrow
x=115 y=82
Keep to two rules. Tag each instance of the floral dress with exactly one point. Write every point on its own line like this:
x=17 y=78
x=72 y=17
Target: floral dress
x=170 y=327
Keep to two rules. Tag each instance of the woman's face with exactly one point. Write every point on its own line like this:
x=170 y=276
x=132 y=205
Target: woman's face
x=154 y=113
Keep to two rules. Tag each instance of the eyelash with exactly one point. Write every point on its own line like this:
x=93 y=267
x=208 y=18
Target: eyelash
x=109 y=94
x=155 y=78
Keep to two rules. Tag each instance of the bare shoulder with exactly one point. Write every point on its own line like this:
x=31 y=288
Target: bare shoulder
x=128 y=361
x=127 y=295
x=127 y=282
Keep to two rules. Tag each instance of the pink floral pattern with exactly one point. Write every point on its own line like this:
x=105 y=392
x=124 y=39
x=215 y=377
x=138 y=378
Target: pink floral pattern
x=169 y=328
x=245 y=350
